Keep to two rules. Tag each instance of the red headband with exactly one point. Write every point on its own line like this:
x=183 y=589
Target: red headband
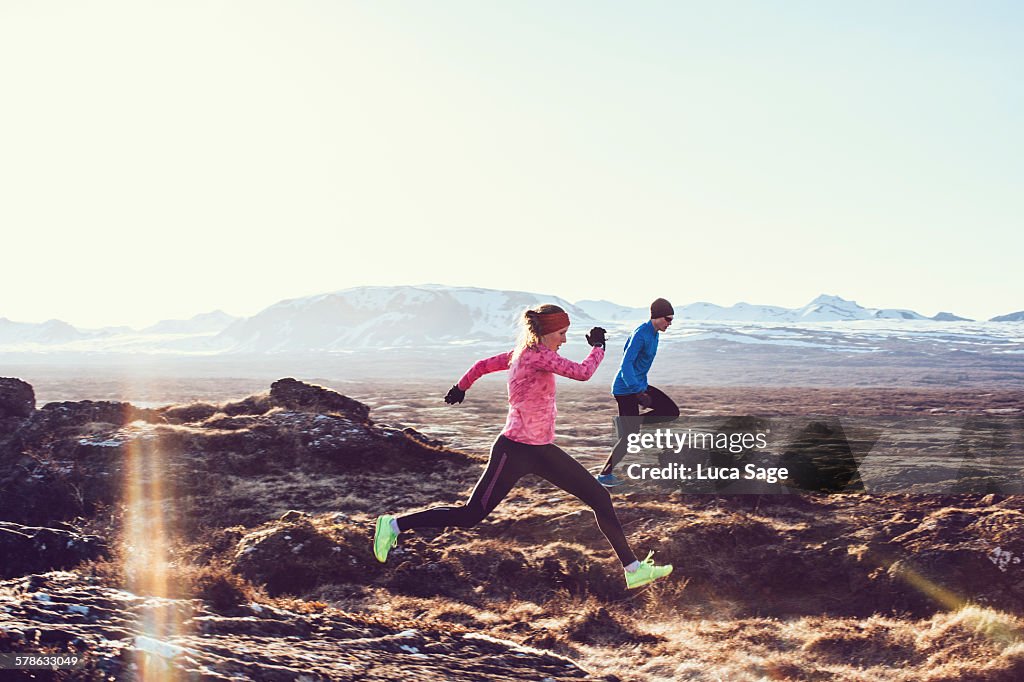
x=551 y=322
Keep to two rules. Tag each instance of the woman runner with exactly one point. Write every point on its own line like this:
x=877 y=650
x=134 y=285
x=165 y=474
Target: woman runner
x=526 y=445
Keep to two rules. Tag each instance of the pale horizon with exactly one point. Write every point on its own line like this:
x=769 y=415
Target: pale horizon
x=163 y=160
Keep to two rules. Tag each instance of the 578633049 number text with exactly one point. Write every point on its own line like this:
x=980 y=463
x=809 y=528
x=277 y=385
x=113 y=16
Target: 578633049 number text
x=15 y=661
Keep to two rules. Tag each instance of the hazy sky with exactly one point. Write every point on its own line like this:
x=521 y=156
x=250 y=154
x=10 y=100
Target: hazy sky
x=163 y=159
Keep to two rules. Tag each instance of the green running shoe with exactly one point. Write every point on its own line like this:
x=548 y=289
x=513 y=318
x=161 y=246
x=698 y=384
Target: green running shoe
x=384 y=538
x=648 y=572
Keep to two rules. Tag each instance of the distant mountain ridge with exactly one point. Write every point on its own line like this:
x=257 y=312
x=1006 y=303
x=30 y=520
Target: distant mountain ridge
x=389 y=316
x=49 y=332
x=950 y=317
x=824 y=308
x=609 y=312
x=406 y=316
x=215 y=321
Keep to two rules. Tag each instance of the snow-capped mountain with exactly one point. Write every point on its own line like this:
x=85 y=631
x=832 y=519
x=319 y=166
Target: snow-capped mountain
x=389 y=316
x=607 y=311
x=949 y=317
x=833 y=308
x=203 y=323
x=434 y=316
x=741 y=312
x=824 y=308
x=46 y=333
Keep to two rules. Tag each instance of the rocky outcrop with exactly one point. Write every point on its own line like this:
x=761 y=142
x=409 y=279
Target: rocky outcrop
x=67 y=613
x=296 y=395
x=17 y=403
x=64 y=459
x=26 y=549
x=62 y=415
x=857 y=555
x=59 y=426
x=298 y=553
x=959 y=553
x=17 y=399
x=69 y=459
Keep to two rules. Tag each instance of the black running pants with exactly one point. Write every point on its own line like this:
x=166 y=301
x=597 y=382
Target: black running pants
x=509 y=462
x=630 y=420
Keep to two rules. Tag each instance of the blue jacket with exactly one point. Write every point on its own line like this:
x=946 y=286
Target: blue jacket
x=641 y=347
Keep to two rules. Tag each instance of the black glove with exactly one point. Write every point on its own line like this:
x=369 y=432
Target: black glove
x=455 y=395
x=596 y=336
x=644 y=399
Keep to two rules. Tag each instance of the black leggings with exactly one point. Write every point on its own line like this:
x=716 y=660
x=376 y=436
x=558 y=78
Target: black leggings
x=509 y=462
x=662 y=409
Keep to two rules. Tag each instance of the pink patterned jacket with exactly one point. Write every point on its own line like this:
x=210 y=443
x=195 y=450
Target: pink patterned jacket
x=531 y=388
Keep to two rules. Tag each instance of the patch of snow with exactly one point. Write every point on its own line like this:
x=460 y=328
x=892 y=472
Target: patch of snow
x=110 y=443
x=516 y=648
x=160 y=648
x=1003 y=559
x=739 y=337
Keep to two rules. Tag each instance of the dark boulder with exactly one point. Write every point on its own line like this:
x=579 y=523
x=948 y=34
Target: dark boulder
x=64 y=459
x=296 y=395
x=295 y=555
x=26 y=549
x=63 y=421
x=17 y=403
x=17 y=399
x=94 y=411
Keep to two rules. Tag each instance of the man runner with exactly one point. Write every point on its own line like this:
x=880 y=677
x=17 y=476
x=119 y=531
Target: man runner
x=632 y=391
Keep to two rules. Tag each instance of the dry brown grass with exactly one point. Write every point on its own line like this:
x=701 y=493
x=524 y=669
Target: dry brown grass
x=539 y=572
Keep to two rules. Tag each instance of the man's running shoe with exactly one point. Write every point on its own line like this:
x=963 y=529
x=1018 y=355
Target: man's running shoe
x=384 y=538
x=609 y=480
x=647 y=572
